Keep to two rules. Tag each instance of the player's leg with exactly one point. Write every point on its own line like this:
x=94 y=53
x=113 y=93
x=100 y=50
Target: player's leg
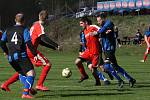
x=100 y=75
x=121 y=70
x=27 y=81
x=109 y=67
x=11 y=80
x=19 y=66
x=95 y=60
x=26 y=76
x=101 y=62
x=43 y=62
x=80 y=66
x=145 y=55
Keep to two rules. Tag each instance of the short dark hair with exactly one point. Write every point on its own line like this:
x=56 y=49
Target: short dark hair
x=43 y=12
x=20 y=17
x=86 y=19
x=102 y=15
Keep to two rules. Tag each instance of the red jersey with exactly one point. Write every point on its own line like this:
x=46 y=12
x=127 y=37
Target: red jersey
x=1 y=34
x=92 y=42
x=35 y=32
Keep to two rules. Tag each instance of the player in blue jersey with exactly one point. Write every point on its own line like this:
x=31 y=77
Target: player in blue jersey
x=13 y=43
x=109 y=47
x=89 y=64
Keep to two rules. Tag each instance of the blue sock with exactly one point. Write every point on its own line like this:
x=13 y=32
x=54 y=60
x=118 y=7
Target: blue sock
x=27 y=81
x=101 y=76
x=22 y=78
x=109 y=67
x=124 y=73
x=30 y=81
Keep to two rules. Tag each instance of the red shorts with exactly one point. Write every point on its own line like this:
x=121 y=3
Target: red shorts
x=94 y=58
x=41 y=60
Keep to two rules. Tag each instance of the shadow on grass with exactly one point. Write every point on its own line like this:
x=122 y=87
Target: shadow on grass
x=93 y=94
x=82 y=94
x=142 y=84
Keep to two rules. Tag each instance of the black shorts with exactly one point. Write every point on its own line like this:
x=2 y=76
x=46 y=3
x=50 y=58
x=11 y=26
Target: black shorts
x=82 y=59
x=22 y=65
x=109 y=55
x=101 y=61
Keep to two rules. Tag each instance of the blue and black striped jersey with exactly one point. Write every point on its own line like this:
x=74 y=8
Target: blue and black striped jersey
x=16 y=38
x=108 y=40
x=83 y=41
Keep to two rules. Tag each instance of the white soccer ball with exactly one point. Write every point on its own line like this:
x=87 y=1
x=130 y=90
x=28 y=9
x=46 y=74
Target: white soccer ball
x=66 y=73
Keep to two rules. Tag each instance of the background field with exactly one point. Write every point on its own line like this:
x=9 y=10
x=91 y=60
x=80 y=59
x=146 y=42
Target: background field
x=68 y=89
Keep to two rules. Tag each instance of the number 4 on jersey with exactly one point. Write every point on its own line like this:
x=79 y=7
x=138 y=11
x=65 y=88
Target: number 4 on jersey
x=14 y=38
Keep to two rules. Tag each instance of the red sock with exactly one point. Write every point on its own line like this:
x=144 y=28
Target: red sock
x=145 y=56
x=43 y=75
x=81 y=69
x=12 y=79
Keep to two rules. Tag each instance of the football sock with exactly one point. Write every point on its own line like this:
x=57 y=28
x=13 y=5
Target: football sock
x=101 y=76
x=124 y=73
x=12 y=79
x=81 y=69
x=109 y=67
x=145 y=56
x=43 y=75
x=28 y=82
x=22 y=78
x=109 y=74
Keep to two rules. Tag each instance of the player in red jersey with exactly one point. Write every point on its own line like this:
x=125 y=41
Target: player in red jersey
x=147 y=40
x=38 y=36
x=91 y=53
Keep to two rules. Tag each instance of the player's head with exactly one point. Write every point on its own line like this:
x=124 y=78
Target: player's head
x=43 y=15
x=101 y=18
x=84 y=21
x=19 y=18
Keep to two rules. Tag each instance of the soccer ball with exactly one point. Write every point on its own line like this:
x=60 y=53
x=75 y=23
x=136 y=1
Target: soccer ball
x=66 y=73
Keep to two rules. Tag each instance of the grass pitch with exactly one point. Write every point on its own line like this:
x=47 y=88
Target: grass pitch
x=68 y=89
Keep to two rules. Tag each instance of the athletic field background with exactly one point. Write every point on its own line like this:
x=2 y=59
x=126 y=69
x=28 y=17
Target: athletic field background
x=128 y=57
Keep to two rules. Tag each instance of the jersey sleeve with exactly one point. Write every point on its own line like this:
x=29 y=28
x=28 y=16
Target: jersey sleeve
x=26 y=35
x=46 y=41
x=40 y=30
x=95 y=27
x=104 y=28
x=4 y=37
x=3 y=43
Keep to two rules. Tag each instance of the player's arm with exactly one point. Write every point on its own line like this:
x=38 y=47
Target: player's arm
x=28 y=42
x=3 y=43
x=47 y=42
x=104 y=28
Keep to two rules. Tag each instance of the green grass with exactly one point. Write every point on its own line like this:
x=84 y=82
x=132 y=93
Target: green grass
x=68 y=89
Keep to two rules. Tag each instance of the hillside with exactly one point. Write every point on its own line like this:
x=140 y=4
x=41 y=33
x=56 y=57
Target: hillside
x=66 y=31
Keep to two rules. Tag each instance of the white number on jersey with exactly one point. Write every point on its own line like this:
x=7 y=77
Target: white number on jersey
x=14 y=38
